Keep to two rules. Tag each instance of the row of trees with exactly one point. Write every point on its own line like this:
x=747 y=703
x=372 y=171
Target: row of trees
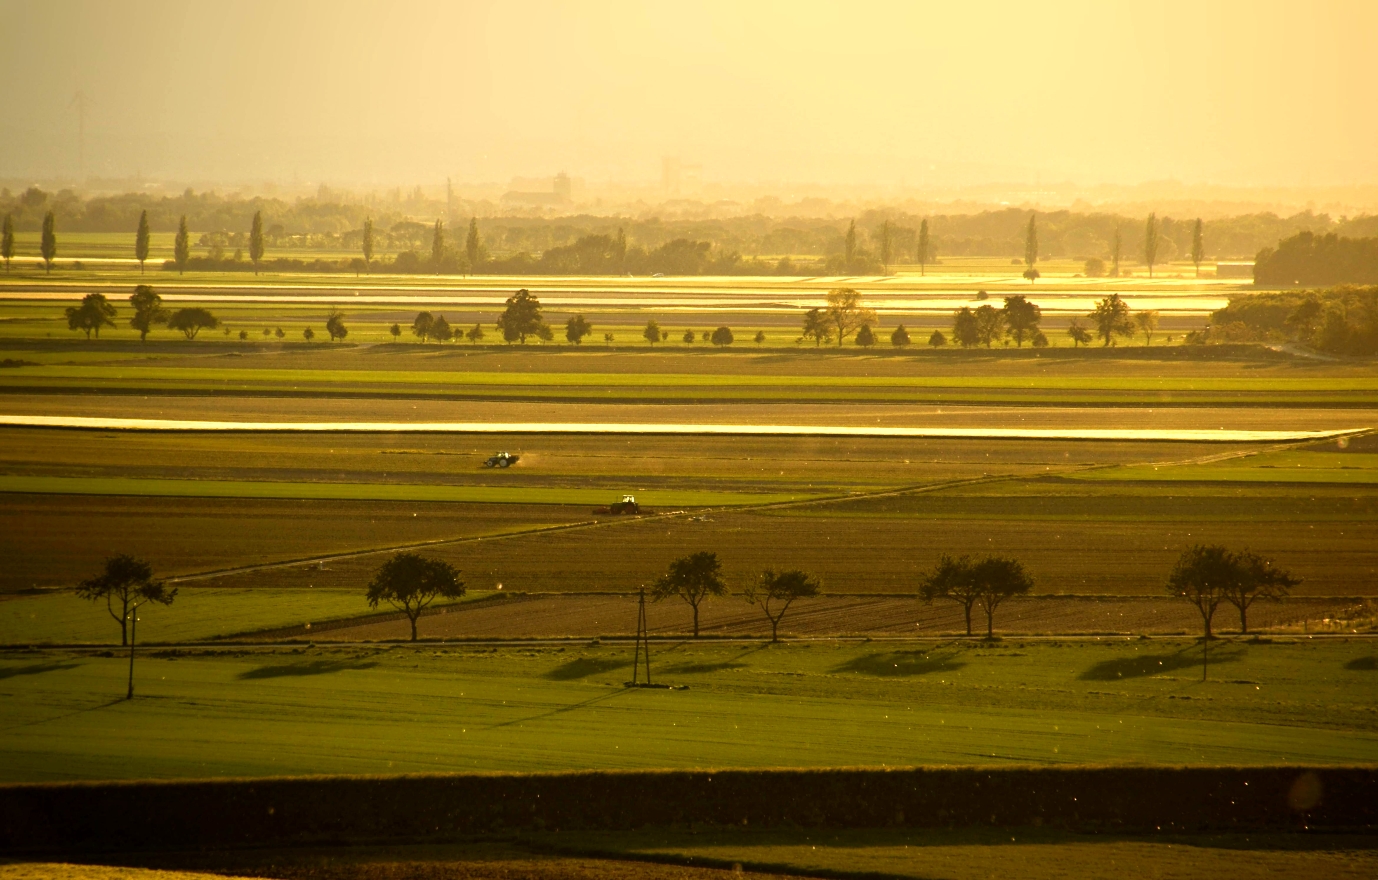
x=1019 y=320
x=1095 y=267
x=96 y=312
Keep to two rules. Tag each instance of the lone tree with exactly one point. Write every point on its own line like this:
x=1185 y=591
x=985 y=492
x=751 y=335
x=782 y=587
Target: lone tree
x=849 y=244
x=899 y=337
x=1021 y=318
x=576 y=328
x=1031 y=249
x=937 y=339
x=367 y=244
x=438 y=246
x=308 y=334
x=1204 y=575
x=1147 y=322
x=410 y=583
x=521 y=318
x=1257 y=578
x=924 y=254
x=181 y=246
x=693 y=578
x=652 y=332
x=473 y=246
x=887 y=238
x=775 y=591
x=865 y=336
x=125 y=584
x=421 y=326
x=1151 y=242
x=965 y=331
x=987 y=583
x=7 y=241
x=1111 y=317
x=148 y=310
x=846 y=312
x=48 y=244
x=475 y=334
x=760 y=337
x=1115 y=249
x=722 y=337
x=1198 y=246
x=1080 y=333
x=689 y=337
x=141 y=241
x=816 y=327
x=395 y=330
x=335 y=326
x=441 y=330
x=192 y=321
x=93 y=313
x=256 y=240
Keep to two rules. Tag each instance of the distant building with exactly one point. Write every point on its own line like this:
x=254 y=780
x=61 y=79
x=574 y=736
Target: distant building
x=1234 y=270
x=529 y=192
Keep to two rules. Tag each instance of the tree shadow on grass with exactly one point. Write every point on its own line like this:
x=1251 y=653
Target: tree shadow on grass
x=35 y=669
x=1142 y=665
x=892 y=664
x=1364 y=664
x=692 y=668
x=314 y=667
x=583 y=667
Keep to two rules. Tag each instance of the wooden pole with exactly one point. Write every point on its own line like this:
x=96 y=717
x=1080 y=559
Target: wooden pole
x=133 y=632
x=643 y=641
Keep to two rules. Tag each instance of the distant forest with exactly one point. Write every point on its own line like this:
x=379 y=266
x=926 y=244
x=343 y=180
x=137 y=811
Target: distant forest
x=1307 y=258
x=1341 y=320
x=747 y=243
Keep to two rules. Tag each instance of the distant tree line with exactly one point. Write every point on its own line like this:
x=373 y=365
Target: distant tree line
x=1310 y=259
x=1341 y=320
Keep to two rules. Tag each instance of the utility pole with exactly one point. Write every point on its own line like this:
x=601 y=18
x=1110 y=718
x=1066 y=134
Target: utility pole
x=642 y=639
x=79 y=102
x=133 y=632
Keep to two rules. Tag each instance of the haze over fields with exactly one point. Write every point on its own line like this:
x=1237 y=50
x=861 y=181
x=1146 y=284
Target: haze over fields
x=929 y=97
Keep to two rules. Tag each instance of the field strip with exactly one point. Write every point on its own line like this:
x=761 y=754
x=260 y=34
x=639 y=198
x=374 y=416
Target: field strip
x=1207 y=435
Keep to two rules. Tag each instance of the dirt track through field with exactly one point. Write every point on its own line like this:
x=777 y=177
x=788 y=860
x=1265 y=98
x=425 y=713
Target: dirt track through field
x=590 y=616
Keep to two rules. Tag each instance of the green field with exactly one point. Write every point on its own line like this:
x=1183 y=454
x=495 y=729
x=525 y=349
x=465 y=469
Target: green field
x=194 y=614
x=312 y=710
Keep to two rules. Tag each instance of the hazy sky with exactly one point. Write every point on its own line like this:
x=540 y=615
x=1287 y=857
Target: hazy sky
x=1256 y=92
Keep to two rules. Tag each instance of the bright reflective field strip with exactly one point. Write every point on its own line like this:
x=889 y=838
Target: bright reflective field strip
x=1209 y=435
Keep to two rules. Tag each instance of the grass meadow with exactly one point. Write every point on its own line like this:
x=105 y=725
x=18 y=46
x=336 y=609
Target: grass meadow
x=386 y=709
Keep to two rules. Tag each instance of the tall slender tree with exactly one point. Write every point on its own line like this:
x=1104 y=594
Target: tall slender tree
x=473 y=245
x=1198 y=247
x=1031 y=248
x=1115 y=254
x=181 y=246
x=620 y=249
x=924 y=254
x=1151 y=242
x=49 y=243
x=438 y=246
x=886 y=239
x=849 y=244
x=148 y=310
x=7 y=241
x=368 y=244
x=141 y=241
x=256 y=240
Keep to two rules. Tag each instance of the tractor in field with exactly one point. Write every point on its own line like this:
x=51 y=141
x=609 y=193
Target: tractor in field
x=501 y=460
x=627 y=506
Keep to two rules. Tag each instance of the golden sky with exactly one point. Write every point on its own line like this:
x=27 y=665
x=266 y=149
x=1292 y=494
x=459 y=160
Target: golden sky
x=900 y=93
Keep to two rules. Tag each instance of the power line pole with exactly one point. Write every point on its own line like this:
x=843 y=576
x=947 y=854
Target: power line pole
x=643 y=638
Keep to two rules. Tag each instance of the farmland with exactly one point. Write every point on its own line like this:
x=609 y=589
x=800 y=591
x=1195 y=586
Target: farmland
x=236 y=712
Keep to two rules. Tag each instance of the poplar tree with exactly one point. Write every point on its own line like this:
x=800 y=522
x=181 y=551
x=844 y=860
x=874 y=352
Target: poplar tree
x=438 y=245
x=255 y=239
x=1031 y=248
x=49 y=243
x=923 y=247
x=849 y=244
x=141 y=241
x=1115 y=255
x=473 y=246
x=1151 y=242
x=181 y=246
x=7 y=241
x=368 y=243
x=1198 y=247
x=885 y=237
